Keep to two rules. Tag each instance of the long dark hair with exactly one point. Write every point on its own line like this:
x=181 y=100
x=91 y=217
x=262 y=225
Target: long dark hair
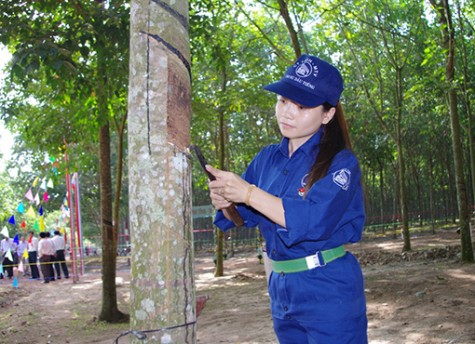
x=335 y=138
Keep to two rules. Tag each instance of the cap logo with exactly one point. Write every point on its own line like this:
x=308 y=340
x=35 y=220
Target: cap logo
x=304 y=69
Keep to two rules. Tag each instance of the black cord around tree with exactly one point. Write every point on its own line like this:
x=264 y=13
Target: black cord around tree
x=143 y=334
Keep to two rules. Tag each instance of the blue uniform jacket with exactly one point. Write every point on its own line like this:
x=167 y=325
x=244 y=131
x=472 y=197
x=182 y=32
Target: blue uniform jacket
x=331 y=214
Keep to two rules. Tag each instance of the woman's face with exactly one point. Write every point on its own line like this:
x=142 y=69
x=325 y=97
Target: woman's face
x=299 y=123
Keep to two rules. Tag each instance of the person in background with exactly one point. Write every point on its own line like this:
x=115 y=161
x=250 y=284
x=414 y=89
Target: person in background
x=46 y=251
x=33 y=256
x=21 y=247
x=306 y=196
x=7 y=248
x=60 y=261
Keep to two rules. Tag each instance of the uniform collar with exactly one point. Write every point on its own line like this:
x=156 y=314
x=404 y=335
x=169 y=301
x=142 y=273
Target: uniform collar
x=308 y=148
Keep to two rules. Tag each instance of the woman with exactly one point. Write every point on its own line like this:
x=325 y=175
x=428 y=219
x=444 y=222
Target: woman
x=306 y=197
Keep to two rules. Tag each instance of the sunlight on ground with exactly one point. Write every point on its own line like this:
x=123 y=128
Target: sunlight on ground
x=119 y=281
x=461 y=275
x=389 y=246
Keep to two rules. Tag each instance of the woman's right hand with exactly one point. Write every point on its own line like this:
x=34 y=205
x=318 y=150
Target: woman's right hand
x=218 y=201
x=216 y=192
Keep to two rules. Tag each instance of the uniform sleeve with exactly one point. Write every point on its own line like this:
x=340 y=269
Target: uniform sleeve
x=249 y=216
x=334 y=202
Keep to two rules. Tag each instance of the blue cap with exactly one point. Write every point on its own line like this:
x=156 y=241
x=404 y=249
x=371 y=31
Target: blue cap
x=310 y=82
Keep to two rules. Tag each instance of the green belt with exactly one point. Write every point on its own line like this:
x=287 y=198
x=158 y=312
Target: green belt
x=321 y=258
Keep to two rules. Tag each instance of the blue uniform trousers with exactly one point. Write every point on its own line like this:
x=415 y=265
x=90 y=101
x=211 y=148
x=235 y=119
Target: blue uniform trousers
x=325 y=305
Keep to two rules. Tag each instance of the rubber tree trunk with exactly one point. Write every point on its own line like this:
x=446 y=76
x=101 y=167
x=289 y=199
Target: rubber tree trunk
x=162 y=285
x=448 y=43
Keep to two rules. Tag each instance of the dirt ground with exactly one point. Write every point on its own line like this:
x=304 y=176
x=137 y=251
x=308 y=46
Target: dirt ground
x=425 y=296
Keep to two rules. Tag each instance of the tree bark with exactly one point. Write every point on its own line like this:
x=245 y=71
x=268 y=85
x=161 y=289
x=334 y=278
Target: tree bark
x=109 y=311
x=445 y=18
x=466 y=98
x=162 y=285
x=284 y=12
x=401 y=164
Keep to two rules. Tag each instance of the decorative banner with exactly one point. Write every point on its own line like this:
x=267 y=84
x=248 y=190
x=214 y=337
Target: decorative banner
x=43 y=184
x=12 y=220
x=9 y=255
x=16 y=240
x=45 y=197
x=29 y=196
x=21 y=208
x=31 y=212
x=37 y=199
x=5 y=232
x=36 y=181
x=40 y=211
x=15 y=282
x=42 y=224
x=36 y=226
x=20 y=266
x=50 y=184
x=23 y=224
x=25 y=252
x=1 y=269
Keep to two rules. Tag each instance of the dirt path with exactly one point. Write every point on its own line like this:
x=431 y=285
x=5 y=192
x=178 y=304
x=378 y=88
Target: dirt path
x=425 y=297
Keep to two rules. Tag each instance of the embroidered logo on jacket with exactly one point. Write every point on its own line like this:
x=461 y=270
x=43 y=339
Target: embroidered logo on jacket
x=303 y=183
x=342 y=178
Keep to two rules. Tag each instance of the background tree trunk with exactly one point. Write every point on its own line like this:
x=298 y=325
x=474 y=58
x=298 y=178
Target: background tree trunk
x=109 y=311
x=162 y=288
x=445 y=18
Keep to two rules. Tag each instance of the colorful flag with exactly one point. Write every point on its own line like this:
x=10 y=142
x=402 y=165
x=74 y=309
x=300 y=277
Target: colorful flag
x=15 y=282
x=35 y=181
x=37 y=199
x=31 y=212
x=16 y=239
x=50 y=184
x=45 y=197
x=12 y=220
x=21 y=208
x=20 y=266
x=42 y=224
x=23 y=224
x=43 y=184
x=9 y=255
x=25 y=252
x=5 y=232
x=29 y=195
x=40 y=211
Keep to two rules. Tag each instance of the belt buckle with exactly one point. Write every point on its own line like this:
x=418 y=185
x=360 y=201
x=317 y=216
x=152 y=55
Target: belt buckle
x=315 y=261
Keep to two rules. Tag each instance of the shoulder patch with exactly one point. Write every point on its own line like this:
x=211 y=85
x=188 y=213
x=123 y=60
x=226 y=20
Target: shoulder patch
x=342 y=178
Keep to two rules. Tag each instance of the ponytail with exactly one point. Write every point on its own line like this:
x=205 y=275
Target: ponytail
x=335 y=138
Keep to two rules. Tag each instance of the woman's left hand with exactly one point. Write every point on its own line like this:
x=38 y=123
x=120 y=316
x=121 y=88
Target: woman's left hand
x=227 y=185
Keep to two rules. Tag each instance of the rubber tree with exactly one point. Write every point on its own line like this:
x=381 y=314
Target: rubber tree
x=448 y=43
x=162 y=286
